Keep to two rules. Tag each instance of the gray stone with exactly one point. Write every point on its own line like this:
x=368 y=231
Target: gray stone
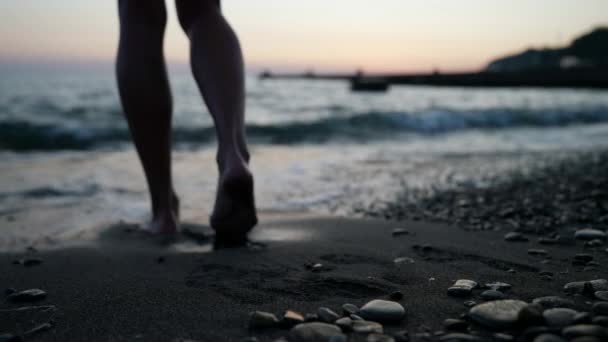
x=575 y=287
x=582 y=318
x=537 y=252
x=462 y=288
x=515 y=237
x=400 y=231
x=453 y=324
x=327 y=315
x=345 y=323
x=598 y=285
x=559 y=317
x=584 y=330
x=382 y=311
x=313 y=332
x=498 y=286
x=492 y=295
x=458 y=337
x=349 y=309
x=355 y=317
x=262 y=320
x=600 y=308
x=502 y=337
x=550 y=302
x=531 y=315
x=379 y=338
x=31 y=295
x=497 y=314
x=403 y=260
x=548 y=338
x=367 y=327
x=600 y=320
x=589 y=234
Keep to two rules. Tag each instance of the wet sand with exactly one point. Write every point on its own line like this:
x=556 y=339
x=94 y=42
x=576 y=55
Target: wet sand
x=123 y=287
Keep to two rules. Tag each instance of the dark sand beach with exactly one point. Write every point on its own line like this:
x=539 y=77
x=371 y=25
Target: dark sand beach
x=122 y=287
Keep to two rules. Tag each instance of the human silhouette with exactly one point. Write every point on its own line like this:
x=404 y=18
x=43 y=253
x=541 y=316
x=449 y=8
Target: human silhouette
x=217 y=65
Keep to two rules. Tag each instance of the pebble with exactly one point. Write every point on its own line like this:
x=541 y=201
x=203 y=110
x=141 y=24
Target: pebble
x=601 y=295
x=6 y=337
x=404 y=260
x=492 y=295
x=28 y=262
x=559 y=317
x=470 y=303
x=501 y=337
x=317 y=267
x=584 y=330
x=550 y=302
x=594 y=243
x=548 y=338
x=453 y=324
x=355 y=317
x=600 y=308
x=310 y=317
x=462 y=288
x=313 y=332
x=379 y=338
x=589 y=234
x=383 y=311
x=31 y=295
x=291 y=318
x=531 y=315
x=397 y=295
x=9 y=291
x=400 y=231
x=497 y=314
x=345 y=323
x=582 y=318
x=600 y=320
x=458 y=337
x=327 y=315
x=598 y=285
x=349 y=309
x=498 y=286
x=575 y=287
x=262 y=320
x=367 y=327
x=515 y=237
x=537 y=252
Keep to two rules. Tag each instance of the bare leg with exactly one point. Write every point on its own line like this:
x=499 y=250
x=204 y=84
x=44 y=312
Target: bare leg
x=145 y=95
x=217 y=65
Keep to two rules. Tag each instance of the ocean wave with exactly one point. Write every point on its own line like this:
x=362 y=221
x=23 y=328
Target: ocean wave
x=363 y=127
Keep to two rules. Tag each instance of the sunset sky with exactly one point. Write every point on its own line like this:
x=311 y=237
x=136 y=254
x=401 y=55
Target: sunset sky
x=376 y=35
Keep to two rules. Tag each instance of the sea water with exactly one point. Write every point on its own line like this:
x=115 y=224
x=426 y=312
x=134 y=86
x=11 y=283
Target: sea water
x=67 y=163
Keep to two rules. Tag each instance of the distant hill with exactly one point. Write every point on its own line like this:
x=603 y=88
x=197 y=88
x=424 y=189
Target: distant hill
x=587 y=51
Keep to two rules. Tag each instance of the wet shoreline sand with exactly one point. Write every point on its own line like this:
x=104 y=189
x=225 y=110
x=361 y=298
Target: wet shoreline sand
x=126 y=288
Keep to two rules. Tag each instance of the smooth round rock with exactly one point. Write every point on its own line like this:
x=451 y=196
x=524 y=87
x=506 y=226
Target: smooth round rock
x=498 y=286
x=462 y=288
x=327 y=315
x=379 y=338
x=575 y=287
x=492 y=295
x=584 y=330
x=515 y=237
x=262 y=320
x=345 y=323
x=600 y=320
x=382 y=311
x=589 y=234
x=598 y=285
x=550 y=302
x=452 y=324
x=559 y=317
x=531 y=315
x=315 y=331
x=291 y=318
x=458 y=337
x=350 y=309
x=31 y=295
x=600 y=308
x=367 y=327
x=498 y=313
x=548 y=338
x=502 y=337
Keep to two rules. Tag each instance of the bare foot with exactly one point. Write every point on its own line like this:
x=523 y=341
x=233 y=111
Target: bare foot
x=165 y=222
x=234 y=214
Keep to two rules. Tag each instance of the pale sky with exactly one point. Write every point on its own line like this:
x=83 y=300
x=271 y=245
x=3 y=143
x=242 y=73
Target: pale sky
x=376 y=35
